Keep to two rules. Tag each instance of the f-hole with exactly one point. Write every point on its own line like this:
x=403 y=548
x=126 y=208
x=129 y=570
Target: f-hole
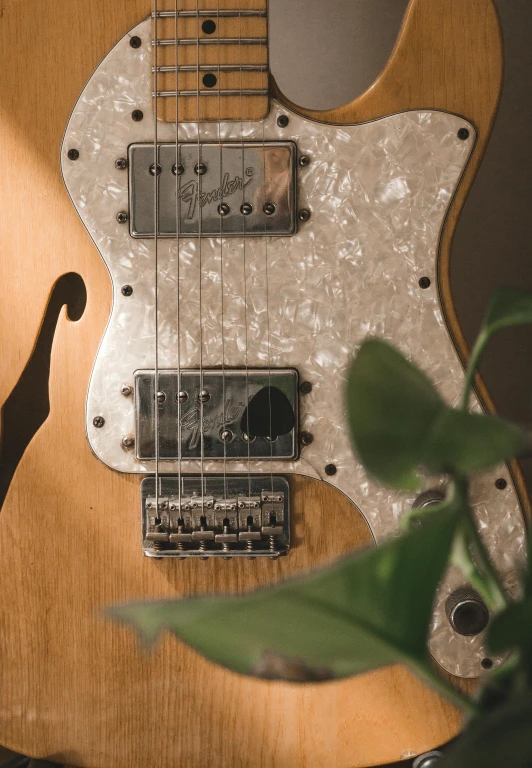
x=28 y=405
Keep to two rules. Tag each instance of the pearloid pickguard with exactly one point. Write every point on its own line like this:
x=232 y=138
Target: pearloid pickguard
x=379 y=193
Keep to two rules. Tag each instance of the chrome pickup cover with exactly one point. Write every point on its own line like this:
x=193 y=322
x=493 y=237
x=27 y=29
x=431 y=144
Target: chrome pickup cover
x=226 y=189
x=233 y=516
x=270 y=397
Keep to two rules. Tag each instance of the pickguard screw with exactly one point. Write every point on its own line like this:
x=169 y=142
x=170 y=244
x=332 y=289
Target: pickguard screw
x=223 y=209
x=463 y=134
x=246 y=209
x=135 y=42
x=306 y=438
x=98 y=421
x=121 y=164
x=501 y=484
x=122 y=217
x=282 y=121
x=182 y=397
x=305 y=388
x=72 y=154
x=204 y=396
x=304 y=160
x=161 y=397
x=424 y=282
x=200 y=169
x=486 y=663
x=331 y=470
x=137 y=115
x=127 y=290
x=126 y=390
x=178 y=170
x=152 y=169
x=304 y=214
x=269 y=209
x=128 y=441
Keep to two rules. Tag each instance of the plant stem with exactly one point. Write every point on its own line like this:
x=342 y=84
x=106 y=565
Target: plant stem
x=494 y=593
x=446 y=689
x=476 y=354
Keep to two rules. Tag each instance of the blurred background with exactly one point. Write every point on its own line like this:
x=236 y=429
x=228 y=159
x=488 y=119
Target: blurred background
x=324 y=53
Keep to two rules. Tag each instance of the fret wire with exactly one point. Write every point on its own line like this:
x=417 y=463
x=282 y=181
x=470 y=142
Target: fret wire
x=213 y=92
x=215 y=67
x=225 y=14
x=213 y=41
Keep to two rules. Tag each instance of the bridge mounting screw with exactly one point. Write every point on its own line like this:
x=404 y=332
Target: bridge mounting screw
x=331 y=470
x=122 y=217
x=306 y=438
x=73 y=154
x=304 y=160
x=178 y=170
x=304 y=214
x=282 y=121
x=128 y=441
x=121 y=164
x=126 y=390
x=500 y=484
x=98 y=421
x=200 y=169
x=137 y=115
x=223 y=209
x=424 y=282
x=463 y=134
x=126 y=290
x=305 y=388
x=135 y=41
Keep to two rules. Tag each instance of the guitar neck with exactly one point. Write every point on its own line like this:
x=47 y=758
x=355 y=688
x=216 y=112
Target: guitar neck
x=211 y=60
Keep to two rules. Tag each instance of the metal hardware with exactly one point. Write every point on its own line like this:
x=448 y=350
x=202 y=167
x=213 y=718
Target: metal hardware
x=223 y=520
x=331 y=470
x=226 y=435
x=282 y=121
x=428 y=760
x=212 y=41
x=304 y=160
x=217 y=92
x=486 y=663
x=501 y=483
x=424 y=282
x=137 y=115
x=152 y=169
x=135 y=41
x=128 y=441
x=467 y=612
x=126 y=390
x=121 y=164
x=98 y=421
x=304 y=214
x=463 y=134
x=178 y=170
x=218 y=12
x=126 y=290
x=209 y=67
x=223 y=209
x=182 y=397
x=428 y=498
x=161 y=397
x=226 y=397
x=122 y=217
x=305 y=388
x=307 y=438
x=73 y=154
x=242 y=171
x=246 y=209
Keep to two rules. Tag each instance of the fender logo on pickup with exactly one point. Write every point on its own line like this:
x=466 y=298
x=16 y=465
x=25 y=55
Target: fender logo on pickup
x=192 y=195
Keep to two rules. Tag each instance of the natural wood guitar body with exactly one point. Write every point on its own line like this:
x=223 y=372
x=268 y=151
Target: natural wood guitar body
x=74 y=687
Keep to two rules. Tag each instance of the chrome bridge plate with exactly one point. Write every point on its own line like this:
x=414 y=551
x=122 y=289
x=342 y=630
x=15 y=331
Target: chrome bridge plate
x=215 y=516
x=233 y=402
x=227 y=189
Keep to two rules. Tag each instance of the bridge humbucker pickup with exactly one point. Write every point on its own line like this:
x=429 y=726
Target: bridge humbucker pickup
x=228 y=189
x=235 y=516
x=263 y=400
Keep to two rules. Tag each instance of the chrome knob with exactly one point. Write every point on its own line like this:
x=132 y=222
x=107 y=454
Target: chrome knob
x=466 y=611
x=428 y=498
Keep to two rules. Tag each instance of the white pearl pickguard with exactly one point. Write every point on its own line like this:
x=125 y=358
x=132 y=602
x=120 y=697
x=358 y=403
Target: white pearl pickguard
x=379 y=193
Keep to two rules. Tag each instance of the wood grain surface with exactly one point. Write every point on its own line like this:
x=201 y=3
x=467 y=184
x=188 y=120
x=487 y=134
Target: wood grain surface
x=75 y=688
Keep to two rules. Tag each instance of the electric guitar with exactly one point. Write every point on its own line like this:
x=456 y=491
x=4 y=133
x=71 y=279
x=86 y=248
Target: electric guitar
x=196 y=439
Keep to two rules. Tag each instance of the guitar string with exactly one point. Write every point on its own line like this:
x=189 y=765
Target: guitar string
x=156 y=261
x=178 y=269
x=200 y=222
x=244 y=248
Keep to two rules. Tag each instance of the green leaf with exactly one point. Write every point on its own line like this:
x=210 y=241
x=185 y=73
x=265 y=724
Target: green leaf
x=366 y=611
x=508 y=307
x=391 y=406
x=512 y=628
x=468 y=442
x=501 y=738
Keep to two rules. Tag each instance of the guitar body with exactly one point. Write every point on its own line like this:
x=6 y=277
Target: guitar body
x=76 y=688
